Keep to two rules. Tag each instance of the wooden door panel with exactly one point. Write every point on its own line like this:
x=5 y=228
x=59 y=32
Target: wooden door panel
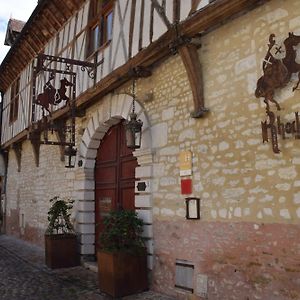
x=127 y=169
x=127 y=194
x=106 y=175
x=105 y=201
x=109 y=147
x=114 y=175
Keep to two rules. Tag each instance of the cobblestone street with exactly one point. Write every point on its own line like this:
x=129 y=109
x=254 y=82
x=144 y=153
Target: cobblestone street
x=24 y=276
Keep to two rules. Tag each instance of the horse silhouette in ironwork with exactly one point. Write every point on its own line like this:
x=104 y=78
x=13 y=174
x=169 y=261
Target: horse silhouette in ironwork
x=53 y=96
x=277 y=72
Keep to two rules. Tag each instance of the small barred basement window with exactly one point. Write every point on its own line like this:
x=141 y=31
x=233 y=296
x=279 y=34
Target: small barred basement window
x=184 y=275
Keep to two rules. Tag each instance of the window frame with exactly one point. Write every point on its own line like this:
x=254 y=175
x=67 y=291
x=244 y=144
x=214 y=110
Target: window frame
x=14 y=101
x=99 y=12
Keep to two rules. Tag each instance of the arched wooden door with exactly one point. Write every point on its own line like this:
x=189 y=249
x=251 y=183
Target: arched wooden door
x=114 y=175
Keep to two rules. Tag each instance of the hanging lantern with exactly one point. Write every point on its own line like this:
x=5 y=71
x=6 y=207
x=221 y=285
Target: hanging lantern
x=133 y=127
x=70 y=156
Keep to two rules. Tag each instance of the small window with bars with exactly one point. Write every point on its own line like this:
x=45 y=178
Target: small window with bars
x=14 y=101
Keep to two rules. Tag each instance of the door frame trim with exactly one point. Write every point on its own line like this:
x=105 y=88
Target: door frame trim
x=112 y=109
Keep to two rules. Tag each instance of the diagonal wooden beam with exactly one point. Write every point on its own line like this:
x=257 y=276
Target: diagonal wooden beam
x=161 y=12
x=190 y=58
x=195 y=4
x=35 y=138
x=17 y=148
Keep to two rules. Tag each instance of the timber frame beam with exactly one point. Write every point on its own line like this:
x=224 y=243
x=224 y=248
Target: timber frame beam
x=191 y=61
x=17 y=148
x=202 y=21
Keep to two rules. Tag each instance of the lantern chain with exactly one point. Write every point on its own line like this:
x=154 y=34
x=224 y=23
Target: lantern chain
x=133 y=95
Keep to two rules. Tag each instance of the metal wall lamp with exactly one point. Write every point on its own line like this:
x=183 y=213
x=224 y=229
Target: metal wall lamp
x=133 y=127
x=70 y=156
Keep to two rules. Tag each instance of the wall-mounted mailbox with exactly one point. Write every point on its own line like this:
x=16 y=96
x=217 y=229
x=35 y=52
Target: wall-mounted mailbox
x=192 y=208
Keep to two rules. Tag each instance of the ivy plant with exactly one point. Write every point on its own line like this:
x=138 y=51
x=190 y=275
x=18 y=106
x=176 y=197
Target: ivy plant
x=59 y=216
x=122 y=232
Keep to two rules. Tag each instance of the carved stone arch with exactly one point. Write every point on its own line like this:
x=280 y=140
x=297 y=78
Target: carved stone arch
x=112 y=109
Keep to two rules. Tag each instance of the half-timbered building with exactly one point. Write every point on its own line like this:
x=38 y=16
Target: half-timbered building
x=216 y=178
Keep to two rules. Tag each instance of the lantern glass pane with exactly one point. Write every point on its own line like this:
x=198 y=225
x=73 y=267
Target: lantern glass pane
x=129 y=137
x=70 y=157
x=138 y=137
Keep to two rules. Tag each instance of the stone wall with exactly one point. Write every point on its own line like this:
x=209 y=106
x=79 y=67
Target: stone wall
x=29 y=191
x=246 y=244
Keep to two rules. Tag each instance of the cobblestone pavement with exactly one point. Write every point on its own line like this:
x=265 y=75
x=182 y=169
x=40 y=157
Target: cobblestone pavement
x=24 y=276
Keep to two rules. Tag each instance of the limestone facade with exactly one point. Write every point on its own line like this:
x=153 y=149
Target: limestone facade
x=246 y=243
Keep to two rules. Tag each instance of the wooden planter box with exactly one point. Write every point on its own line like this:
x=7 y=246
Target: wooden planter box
x=122 y=274
x=61 y=251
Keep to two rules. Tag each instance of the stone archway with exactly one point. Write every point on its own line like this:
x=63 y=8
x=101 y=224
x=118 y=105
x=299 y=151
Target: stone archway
x=111 y=110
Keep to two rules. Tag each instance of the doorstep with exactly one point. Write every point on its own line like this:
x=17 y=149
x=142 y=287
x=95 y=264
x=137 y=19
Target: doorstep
x=91 y=265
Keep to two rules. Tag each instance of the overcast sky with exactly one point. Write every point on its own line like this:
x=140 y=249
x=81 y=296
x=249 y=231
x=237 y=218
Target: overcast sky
x=16 y=9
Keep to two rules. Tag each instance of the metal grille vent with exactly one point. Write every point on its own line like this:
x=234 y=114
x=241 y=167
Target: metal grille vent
x=184 y=275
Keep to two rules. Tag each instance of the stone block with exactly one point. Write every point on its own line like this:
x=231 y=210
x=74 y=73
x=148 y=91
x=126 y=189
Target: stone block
x=86 y=228
x=87 y=249
x=150 y=262
x=86 y=217
x=145 y=215
x=150 y=247
x=143 y=201
x=89 y=163
x=94 y=143
x=86 y=137
x=91 y=153
x=146 y=142
x=83 y=149
x=91 y=128
x=159 y=135
x=95 y=118
x=87 y=239
x=143 y=172
x=86 y=206
x=147 y=231
x=85 y=185
x=84 y=195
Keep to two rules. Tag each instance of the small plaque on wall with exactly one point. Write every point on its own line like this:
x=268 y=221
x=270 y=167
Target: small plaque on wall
x=104 y=206
x=186 y=186
x=141 y=186
x=185 y=163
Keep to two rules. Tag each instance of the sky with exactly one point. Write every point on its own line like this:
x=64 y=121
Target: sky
x=16 y=9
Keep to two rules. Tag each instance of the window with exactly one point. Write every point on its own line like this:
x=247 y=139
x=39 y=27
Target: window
x=14 y=101
x=100 y=24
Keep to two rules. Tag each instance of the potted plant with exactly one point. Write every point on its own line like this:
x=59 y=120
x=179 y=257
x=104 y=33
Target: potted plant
x=60 y=237
x=122 y=256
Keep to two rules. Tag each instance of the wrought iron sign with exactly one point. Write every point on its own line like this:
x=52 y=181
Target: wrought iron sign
x=273 y=127
x=278 y=66
x=56 y=69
